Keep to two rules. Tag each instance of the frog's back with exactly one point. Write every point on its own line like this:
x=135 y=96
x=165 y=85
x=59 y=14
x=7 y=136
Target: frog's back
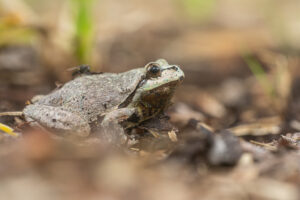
x=92 y=95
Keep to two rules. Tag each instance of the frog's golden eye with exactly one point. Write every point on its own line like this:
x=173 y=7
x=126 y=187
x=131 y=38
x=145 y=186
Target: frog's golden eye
x=153 y=70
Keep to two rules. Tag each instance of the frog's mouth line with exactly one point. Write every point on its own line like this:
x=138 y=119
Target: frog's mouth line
x=171 y=84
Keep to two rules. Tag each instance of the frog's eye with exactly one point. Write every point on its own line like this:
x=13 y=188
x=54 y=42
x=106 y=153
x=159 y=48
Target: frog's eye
x=153 y=70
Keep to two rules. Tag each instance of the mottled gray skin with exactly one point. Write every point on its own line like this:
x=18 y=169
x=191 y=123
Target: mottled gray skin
x=125 y=98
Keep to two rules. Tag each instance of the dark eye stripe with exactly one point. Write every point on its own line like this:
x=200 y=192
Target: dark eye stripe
x=142 y=82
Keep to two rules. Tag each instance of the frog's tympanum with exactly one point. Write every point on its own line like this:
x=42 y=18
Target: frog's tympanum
x=103 y=101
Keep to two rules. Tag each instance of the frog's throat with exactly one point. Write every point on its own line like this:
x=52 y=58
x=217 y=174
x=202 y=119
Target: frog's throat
x=146 y=103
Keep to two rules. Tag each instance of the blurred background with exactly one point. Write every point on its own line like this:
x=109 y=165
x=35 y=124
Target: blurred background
x=240 y=58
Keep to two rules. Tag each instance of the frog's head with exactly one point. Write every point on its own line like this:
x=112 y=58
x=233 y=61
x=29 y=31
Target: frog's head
x=160 y=74
x=157 y=87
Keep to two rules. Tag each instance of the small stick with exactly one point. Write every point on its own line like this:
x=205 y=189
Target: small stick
x=14 y=113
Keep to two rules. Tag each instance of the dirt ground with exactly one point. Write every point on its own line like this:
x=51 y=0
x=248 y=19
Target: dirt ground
x=232 y=131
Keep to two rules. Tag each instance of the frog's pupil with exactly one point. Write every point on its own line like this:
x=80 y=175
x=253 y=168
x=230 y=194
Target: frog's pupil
x=154 y=69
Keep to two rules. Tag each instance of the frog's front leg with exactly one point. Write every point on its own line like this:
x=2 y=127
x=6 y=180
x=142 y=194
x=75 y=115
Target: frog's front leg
x=113 y=125
x=58 y=119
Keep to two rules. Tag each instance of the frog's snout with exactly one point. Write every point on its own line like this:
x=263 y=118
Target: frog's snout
x=179 y=72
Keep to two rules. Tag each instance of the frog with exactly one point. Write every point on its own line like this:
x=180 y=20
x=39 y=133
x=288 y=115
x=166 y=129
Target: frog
x=110 y=102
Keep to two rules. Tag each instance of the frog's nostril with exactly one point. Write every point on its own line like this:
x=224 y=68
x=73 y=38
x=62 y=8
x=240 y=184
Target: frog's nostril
x=175 y=68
